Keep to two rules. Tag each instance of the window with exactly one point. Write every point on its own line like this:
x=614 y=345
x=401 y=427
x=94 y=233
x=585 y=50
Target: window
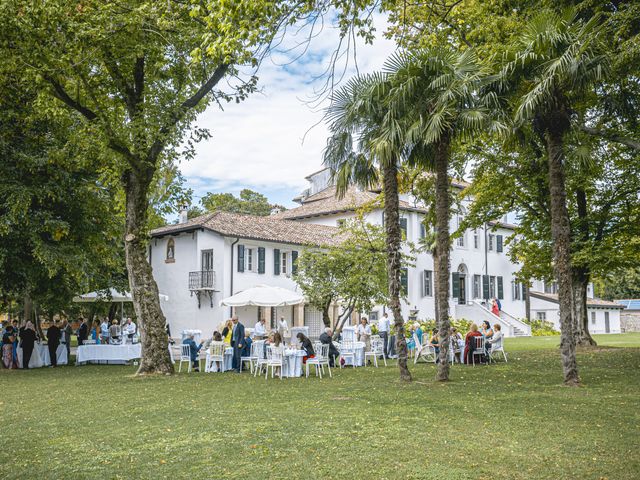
x=492 y=287
x=476 y=240
x=491 y=242
x=373 y=316
x=403 y=227
x=541 y=316
x=250 y=259
x=427 y=283
x=423 y=230
x=477 y=288
x=171 y=251
x=550 y=287
x=593 y=318
x=461 y=240
x=515 y=290
x=284 y=266
x=206 y=260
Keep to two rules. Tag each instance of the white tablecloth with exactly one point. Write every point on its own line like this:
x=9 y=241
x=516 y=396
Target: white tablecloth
x=228 y=360
x=292 y=363
x=359 y=356
x=108 y=353
x=40 y=356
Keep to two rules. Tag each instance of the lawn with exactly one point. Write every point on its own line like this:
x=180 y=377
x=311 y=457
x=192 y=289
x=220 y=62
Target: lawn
x=506 y=421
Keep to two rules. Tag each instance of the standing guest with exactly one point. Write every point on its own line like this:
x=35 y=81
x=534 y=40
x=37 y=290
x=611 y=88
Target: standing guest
x=305 y=344
x=364 y=333
x=83 y=332
x=226 y=332
x=27 y=341
x=8 y=337
x=194 y=349
x=114 y=332
x=494 y=307
x=16 y=331
x=237 y=342
x=95 y=332
x=66 y=337
x=260 y=330
x=470 y=343
x=283 y=328
x=53 y=340
x=326 y=339
x=383 y=330
x=104 y=331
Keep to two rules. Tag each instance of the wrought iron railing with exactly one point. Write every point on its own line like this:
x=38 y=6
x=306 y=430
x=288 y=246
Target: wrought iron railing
x=202 y=279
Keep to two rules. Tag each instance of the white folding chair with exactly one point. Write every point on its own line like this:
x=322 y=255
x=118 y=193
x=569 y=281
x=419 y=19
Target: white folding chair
x=185 y=356
x=498 y=347
x=320 y=360
x=275 y=359
x=377 y=350
x=261 y=359
x=479 y=349
x=348 y=350
x=215 y=355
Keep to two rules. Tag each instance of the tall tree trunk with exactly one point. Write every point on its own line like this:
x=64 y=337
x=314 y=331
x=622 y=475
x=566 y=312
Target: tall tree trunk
x=581 y=318
x=144 y=290
x=561 y=236
x=342 y=319
x=527 y=300
x=443 y=256
x=28 y=309
x=325 y=314
x=394 y=264
x=581 y=274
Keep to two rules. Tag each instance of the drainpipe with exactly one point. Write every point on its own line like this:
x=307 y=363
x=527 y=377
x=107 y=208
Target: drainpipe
x=486 y=262
x=231 y=292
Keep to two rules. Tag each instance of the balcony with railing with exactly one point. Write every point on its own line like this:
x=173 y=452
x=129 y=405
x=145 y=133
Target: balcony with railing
x=203 y=283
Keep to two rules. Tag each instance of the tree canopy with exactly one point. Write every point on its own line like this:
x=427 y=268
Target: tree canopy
x=248 y=202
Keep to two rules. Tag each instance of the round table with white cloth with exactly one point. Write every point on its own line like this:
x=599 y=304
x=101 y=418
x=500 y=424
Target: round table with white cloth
x=292 y=362
x=359 y=355
x=40 y=356
x=228 y=361
x=113 y=354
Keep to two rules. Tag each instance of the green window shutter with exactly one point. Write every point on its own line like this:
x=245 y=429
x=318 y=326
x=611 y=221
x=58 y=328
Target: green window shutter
x=276 y=261
x=404 y=281
x=485 y=287
x=499 y=243
x=455 y=285
x=294 y=261
x=241 y=258
x=260 y=259
x=500 y=289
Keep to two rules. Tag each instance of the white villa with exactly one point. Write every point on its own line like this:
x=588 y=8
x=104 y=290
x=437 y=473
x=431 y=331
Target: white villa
x=200 y=261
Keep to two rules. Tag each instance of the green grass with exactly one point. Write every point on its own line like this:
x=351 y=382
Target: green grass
x=100 y=422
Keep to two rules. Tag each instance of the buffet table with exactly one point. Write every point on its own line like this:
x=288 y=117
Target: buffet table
x=111 y=354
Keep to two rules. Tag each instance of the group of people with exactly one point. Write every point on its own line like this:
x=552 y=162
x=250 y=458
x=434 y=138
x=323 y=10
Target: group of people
x=237 y=337
x=25 y=337
x=464 y=348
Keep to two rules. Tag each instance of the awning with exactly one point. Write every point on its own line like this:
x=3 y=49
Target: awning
x=263 y=296
x=108 y=295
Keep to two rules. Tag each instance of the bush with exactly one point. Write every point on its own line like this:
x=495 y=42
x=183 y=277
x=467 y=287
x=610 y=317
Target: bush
x=541 y=328
x=462 y=325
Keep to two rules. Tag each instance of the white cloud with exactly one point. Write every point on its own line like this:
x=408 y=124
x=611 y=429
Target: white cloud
x=258 y=143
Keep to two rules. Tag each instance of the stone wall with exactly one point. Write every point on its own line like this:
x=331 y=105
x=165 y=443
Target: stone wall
x=630 y=321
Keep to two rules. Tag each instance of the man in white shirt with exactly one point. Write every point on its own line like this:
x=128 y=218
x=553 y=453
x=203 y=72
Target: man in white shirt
x=283 y=327
x=130 y=329
x=260 y=331
x=383 y=330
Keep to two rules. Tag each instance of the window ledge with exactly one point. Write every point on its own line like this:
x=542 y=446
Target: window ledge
x=170 y=260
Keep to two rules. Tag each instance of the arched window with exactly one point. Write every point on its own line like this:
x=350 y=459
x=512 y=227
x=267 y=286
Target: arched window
x=171 y=251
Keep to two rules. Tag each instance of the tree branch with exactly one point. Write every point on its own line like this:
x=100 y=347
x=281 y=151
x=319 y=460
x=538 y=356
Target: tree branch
x=61 y=94
x=612 y=137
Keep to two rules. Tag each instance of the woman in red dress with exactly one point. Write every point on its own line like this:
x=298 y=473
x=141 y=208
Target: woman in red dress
x=494 y=307
x=468 y=345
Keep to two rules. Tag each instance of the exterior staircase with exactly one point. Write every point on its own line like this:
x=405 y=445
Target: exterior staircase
x=511 y=326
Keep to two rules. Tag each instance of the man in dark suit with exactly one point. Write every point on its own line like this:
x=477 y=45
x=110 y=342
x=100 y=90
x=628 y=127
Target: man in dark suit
x=83 y=332
x=326 y=339
x=237 y=342
x=53 y=340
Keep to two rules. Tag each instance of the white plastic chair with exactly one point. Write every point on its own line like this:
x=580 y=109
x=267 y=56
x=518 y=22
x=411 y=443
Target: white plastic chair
x=275 y=359
x=89 y=342
x=478 y=350
x=498 y=347
x=253 y=356
x=185 y=356
x=215 y=354
x=320 y=360
x=261 y=359
x=377 y=349
x=348 y=350
x=424 y=350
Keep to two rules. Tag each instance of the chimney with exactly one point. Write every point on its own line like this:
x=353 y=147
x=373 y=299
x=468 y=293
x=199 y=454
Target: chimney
x=183 y=217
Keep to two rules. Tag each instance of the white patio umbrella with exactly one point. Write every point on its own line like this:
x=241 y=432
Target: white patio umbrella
x=263 y=296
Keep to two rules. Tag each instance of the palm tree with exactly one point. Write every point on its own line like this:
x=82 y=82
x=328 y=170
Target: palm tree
x=435 y=91
x=556 y=61
x=362 y=145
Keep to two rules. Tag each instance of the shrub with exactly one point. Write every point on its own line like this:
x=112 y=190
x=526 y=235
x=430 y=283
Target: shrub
x=541 y=328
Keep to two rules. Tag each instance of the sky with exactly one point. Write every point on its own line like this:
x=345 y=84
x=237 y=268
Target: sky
x=274 y=139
